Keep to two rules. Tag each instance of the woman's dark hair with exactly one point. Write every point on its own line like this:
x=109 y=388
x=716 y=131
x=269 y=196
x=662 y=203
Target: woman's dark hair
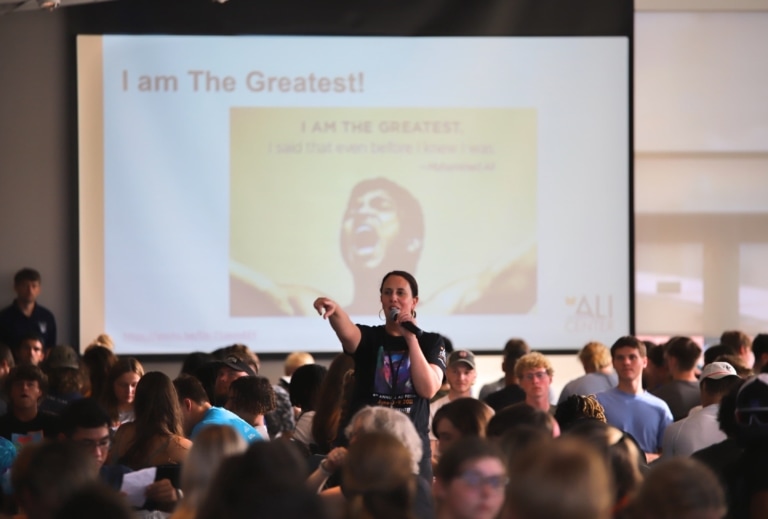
x=405 y=275
x=194 y=361
x=99 y=361
x=515 y=415
x=464 y=450
x=121 y=367
x=157 y=413
x=266 y=482
x=469 y=415
x=325 y=425
x=726 y=414
x=305 y=385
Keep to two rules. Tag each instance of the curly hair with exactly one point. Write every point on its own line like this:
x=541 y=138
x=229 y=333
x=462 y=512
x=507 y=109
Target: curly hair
x=252 y=395
x=533 y=360
x=576 y=408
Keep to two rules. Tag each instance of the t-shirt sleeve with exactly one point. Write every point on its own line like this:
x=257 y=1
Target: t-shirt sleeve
x=434 y=351
x=666 y=420
x=366 y=334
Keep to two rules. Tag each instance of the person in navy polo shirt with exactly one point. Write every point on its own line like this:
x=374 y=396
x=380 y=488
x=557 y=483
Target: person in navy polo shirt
x=24 y=317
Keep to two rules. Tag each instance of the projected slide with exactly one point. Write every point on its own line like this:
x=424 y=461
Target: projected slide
x=226 y=182
x=348 y=168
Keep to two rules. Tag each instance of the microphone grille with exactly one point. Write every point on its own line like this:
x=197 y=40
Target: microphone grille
x=394 y=313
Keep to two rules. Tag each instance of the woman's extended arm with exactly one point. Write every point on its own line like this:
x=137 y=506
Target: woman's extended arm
x=347 y=332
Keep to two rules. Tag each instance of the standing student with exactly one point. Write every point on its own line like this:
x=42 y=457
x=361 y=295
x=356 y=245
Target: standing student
x=24 y=316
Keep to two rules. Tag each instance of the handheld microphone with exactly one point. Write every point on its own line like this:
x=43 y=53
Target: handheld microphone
x=408 y=325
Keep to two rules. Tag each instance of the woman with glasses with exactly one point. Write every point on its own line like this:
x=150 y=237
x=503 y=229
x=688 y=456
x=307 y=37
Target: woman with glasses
x=470 y=480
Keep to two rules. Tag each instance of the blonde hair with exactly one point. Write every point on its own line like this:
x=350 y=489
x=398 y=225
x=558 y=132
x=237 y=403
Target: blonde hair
x=595 y=356
x=533 y=360
x=212 y=445
x=103 y=340
x=296 y=360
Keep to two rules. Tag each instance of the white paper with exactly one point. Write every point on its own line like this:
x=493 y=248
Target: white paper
x=135 y=485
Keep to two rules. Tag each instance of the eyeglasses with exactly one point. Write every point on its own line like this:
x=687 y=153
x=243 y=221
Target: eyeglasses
x=102 y=444
x=477 y=480
x=539 y=375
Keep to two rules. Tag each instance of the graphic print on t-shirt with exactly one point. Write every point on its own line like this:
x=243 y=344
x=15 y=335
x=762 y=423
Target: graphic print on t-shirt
x=20 y=440
x=392 y=384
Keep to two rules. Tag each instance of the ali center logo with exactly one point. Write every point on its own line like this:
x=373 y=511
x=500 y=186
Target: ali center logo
x=591 y=313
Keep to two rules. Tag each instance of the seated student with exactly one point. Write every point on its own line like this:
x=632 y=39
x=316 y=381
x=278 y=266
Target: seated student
x=212 y=446
x=513 y=350
x=265 y=482
x=378 y=478
x=25 y=423
x=65 y=380
x=462 y=418
x=630 y=408
x=304 y=389
x=534 y=371
x=623 y=457
x=599 y=376
x=680 y=488
x=120 y=390
x=198 y=412
x=98 y=361
x=30 y=350
x=7 y=363
x=470 y=481
x=156 y=436
x=86 y=424
x=47 y=474
x=760 y=351
x=521 y=415
x=564 y=478
x=738 y=343
x=325 y=424
x=700 y=429
x=461 y=375
x=95 y=501
x=682 y=392
x=293 y=362
x=251 y=398
x=576 y=408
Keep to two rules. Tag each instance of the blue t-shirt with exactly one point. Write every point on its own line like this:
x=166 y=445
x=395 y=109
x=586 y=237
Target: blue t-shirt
x=220 y=416
x=644 y=416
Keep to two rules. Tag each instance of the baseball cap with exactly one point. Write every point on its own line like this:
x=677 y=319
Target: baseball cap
x=236 y=363
x=718 y=370
x=62 y=356
x=465 y=356
x=753 y=395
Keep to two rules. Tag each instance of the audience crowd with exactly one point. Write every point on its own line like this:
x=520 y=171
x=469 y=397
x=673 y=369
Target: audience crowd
x=649 y=431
